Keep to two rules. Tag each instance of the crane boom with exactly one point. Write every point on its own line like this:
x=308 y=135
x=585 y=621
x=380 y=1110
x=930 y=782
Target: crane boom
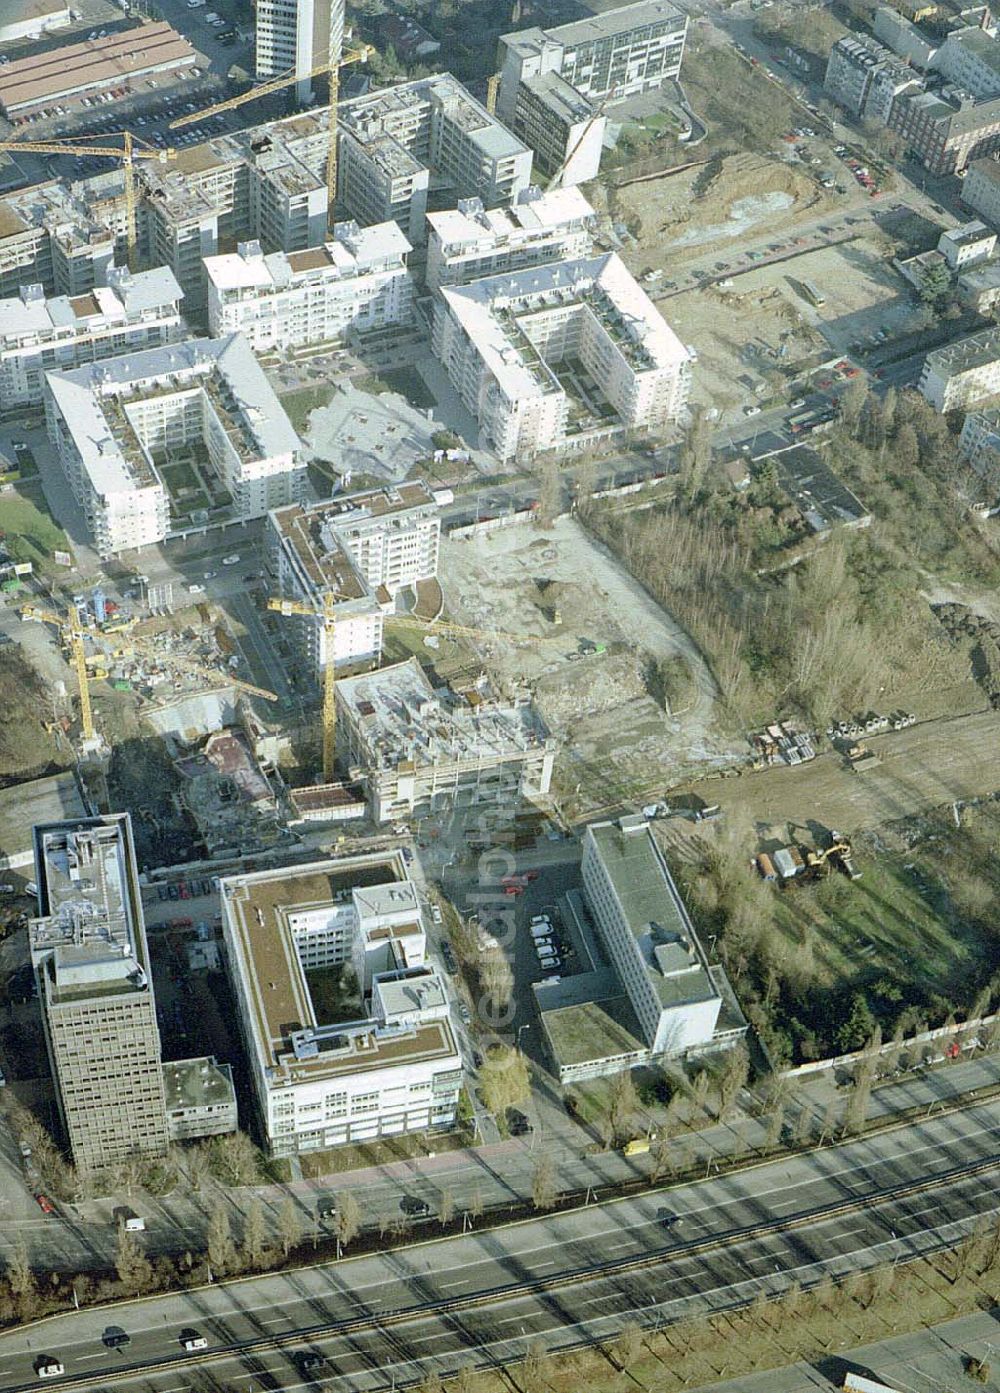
x=328 y=616
x=264 y=89
x=128 y=154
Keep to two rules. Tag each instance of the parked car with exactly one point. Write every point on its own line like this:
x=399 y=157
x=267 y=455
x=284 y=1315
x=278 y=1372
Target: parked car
x=231 y=560
x=414 y=1207
x=45 y=1204
x=48 y=1367
x=191 y=1339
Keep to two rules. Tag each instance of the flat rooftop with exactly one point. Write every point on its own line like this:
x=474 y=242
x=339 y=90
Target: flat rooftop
x=92 y=63
x=655 y=912
x=609 y=25
x=966 y=354
x=90 y=921
x=259 y=909
x=198 y=1083
x=532 y=214
x=589 y=1031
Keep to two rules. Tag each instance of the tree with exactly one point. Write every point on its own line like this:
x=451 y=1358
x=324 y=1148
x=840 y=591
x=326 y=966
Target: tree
x=775 y=1125
x=22 y=1280
x=694 y=457
x=734 y=1078
x=543 y=1183
x=446 y=1208
x=935 y=286
x=663 y=1160
x=628 y=1347
x=504 y=1080
x=496 y=977
x=289 y=1228
x=253 y=1234
x=852 y=403
x=133 y=1267
x=347 y=1222
x=858 y=1025
x=550 y=492
x=622 y=1104
x=236 y=1159
x=536 y=1368
x=220 y=1248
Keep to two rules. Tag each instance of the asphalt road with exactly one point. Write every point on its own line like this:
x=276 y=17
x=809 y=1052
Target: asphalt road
x=846 y=1205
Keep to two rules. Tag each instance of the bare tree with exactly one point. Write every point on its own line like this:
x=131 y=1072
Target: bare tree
x=550 y=492
x=253 y=1234
x=347 y=1222
x=198 y=1164
x=237 y=1159
x=504 y=1079
x=289 y=1228
x=496 y=976
x=220 y=1248
x=775 y=1126
x=627 y=1350
x=622 y=1104
x=133 y=1267
x=446 y=1207
x=536 y=1368
x=663 y=1160
x=543 y=1183
x=22 y=1280
x=734 y=1078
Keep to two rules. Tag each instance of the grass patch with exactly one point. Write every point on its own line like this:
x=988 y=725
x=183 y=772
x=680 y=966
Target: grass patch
x=408 y=1146
x=31 y=532
x=335 y=996
x=300 y=405
x=409 y=384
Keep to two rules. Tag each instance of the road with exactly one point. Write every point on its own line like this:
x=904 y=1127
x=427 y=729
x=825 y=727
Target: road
x=837 y=1210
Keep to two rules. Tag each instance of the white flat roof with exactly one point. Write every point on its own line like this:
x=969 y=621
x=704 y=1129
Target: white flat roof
x=133 y=296
x=477 y=306
x=546 y=212
x=354 y=252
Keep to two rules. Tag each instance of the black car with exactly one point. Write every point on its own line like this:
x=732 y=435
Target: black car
x=115 y=1337
x=308 y=1361
x=414 y=1207
x=517 y=1124
x=668 y=1218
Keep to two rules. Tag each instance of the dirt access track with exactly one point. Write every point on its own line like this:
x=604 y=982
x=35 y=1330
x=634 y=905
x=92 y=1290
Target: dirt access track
x=935 y=762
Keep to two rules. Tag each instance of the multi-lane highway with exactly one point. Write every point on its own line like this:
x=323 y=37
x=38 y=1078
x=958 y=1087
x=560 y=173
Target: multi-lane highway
x=563 y=1278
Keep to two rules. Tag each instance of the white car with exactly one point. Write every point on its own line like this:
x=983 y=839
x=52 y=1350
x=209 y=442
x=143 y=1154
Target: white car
x=49 y=1368
x=196 y=590
x=231 y=560
x=192 y=1340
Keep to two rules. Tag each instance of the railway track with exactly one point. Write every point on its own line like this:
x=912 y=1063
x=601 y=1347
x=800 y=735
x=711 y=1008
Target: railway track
x=473 y=1301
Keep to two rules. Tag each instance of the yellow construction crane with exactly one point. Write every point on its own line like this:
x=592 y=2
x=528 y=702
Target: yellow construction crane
x=328 y=614
x=144 y=648
x=73 y=632
x=557 y=178
x=128 y=154
x=492 y=88
x=332 y=66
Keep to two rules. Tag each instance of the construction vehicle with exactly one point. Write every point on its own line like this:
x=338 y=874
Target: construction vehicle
x=143 y=648
x=332 y=66
x=128 y=154
x=861 y=758
x=838 y=853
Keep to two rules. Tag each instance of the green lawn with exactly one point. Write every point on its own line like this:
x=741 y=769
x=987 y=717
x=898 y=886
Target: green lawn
x=31 y=532
x=300 y=405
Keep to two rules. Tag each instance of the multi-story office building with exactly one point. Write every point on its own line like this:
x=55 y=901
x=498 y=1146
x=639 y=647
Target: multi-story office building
x=554 y=82
x=91 y=961
x=39 y=334
x=865 y=78
x=200 y=1098
x=964 y=373
x=907 y=41
x=394 y=141
x=113 y=423
x=470 y=241
x=413 y=747
x=362 y=549
x=297 y=36
x=946 y=136
x=357 y=283
x=519 y=348
x=981 y=190
x=650 y=939
x=321 y=1079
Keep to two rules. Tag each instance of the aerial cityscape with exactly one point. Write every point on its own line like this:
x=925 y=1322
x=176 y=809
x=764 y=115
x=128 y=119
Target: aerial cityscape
x=500 y=696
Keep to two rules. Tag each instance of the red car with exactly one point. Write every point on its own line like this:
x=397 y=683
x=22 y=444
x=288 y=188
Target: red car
x=533 y=875
x=45 y=1204
x=513 y=890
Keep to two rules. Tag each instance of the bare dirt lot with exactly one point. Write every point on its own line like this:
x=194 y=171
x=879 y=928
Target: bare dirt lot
x=933 y=763
x=564 y=588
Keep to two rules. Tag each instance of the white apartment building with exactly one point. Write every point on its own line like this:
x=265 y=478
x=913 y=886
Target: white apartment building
x=970 y=59
x=554 y=81
x=648 y=933
x=964 y=373
x=865 y=78
x=967 y=245
x=114 y=422
x=980 y=443
x=395 y=141
x=361 y=549
x=981 y=190
x=358 y=283
x=471 y=241
x=297 y=36
x=396 y=1066
x=38 y=334
x=415 y=748
x=519 y=348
